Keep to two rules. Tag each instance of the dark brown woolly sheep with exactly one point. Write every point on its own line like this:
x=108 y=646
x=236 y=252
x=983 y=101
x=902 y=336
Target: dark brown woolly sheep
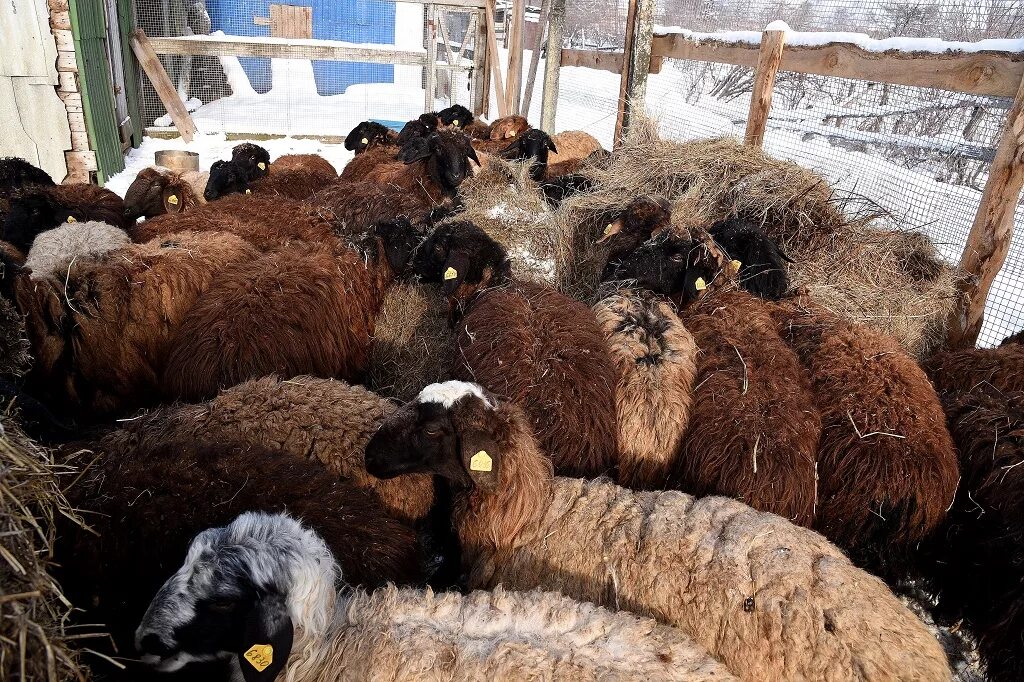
x=887 y=469
x=292 y=184
x=754 y=426
x=961 y=371
x=156 y=191
x=362 y=164
x=305 y=309
x=100 y=334
x=500 y=133
x=369 y=134
x=1017 y=338
x=527 y=342
x=656 y=358
x=316 y=419
x=310 y=163
x=39 y=209
x=976 y=561
x=90 y=202
x=146 y=504
x=16 y=173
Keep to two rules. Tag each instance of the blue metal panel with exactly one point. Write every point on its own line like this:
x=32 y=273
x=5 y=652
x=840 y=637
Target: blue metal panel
x=354 y=21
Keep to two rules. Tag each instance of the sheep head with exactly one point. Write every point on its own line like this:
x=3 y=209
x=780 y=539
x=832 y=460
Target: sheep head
x=456 y=116
x=508 y=127
x=253 y=161
x=447 y=155
x=757 y=258
x=16 y=172
x=532 y=144
x=367 y=134
x=448 y=430
x=398 y=238
x=226 y=177
x=30 y=214
x=145 y=196
x=241 y=589
x=422 y=126
x=659 y=265
x=462 y=257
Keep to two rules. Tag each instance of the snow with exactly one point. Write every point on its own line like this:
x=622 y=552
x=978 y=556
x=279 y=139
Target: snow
x=861 y=40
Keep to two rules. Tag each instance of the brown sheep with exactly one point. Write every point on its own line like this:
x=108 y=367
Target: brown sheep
x=146 y=504
x=291 y=184
x=960 y=371
x=656 y=359
x=754 y=426
x=573 y=145
x=156 y=191
x=100 y=333
x=531 y=344
x=319 y=419
x=90 y=202
x=887 y=470
x=364 y=163
x=499 y=134
x=312 y=163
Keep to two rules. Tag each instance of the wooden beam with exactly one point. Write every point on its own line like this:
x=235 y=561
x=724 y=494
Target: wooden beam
x=514 y=77
x=430 y=66
x=481 y=68
x=770 y=56
x=989 y=239
x=492 y=57
x=979 y=73
x=291 y=21
x=636 y=65
x=165 y=89
x=552 y=66
x=531 y=75
x=602 y=61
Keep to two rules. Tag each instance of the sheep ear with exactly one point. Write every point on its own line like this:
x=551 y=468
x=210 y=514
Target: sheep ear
x=471 y=153
x=551 y=145
x=414 y=150
x=172 y=200
x=513 y=150
x=456 y=268
x=481 y=458
x=267 y=641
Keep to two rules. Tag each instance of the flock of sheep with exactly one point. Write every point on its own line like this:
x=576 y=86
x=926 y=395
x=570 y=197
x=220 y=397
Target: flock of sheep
x=696 y=475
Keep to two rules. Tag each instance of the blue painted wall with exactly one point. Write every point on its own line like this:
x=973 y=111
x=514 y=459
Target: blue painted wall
x=354 y=21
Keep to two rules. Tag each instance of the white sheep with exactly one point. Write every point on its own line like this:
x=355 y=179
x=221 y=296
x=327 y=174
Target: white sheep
x=263 y=593
x=771 y=600
x=52 y=251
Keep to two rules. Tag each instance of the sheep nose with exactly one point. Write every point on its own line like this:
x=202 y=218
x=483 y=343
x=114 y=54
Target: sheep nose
x=153 y=643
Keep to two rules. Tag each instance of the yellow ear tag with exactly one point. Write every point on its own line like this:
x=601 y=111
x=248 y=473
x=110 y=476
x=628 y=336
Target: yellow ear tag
x=364 y=141
x=700 y=284
x=72 y=219
x=481 y=461
x=261 y=165
x=248 y=191
x=608 y=229
x=450 y=273
x=455 y=123
x=173 y=199
x=736 y=265
x=260 y=656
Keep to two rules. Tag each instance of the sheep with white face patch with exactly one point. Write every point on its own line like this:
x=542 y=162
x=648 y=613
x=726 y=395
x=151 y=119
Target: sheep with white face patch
x=261 y=592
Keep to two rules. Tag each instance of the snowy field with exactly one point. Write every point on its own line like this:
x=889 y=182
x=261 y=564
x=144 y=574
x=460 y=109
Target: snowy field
x=587 y=101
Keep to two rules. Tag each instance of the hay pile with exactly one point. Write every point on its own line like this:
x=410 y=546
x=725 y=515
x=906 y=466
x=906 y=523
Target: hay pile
x=33 y=645
x=14 y=346
x=850 y=256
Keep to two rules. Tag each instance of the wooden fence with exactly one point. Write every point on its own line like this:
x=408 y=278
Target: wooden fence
x=998 y=74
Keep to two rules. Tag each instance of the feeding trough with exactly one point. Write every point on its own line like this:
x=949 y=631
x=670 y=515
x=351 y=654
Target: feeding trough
x=177 y=160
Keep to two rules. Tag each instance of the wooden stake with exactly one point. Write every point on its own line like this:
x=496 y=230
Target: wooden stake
x=481 y=70
x=514 y=82
x=989 y=240
x=636 y=64
x=430 y=66
x=552 y=66
x=165 y=89
x=492 y=57
x=531 y=76
x=768 y=59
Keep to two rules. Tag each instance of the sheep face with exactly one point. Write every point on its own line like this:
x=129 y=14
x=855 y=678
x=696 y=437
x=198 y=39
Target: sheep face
x=446 y=430
x=232 y=594
x=16 y=172
x=144 y=197
x=762 y=264
x=252 y=160
x=642 y=218
x=29 y=215
x=461 y=256
x=422 y=126
x=226 y=177
x=447 y=155
x=399 y=238
x=364 y=135
x=532 y=144
x=659 y=265
x=456 y=116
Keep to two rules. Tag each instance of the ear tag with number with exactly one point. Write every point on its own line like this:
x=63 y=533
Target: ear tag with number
x=700 y=284
x=450 y=273
x=481 y=461
x=72 y=219
x=173 y=199
x=261 y=165
x=260 y=656
x=608 y=229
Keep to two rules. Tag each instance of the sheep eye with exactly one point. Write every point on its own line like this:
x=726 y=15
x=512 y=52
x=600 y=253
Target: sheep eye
x=678 y=258
x=432 y=431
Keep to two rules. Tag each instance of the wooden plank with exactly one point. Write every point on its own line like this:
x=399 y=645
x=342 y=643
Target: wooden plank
x=481 y=68
x=162 y=84
x=82 y=160
x=514 y=76
x=552 y=67
x=133 y=93
x=602 y=61
x=60 y=21
x=430 y=66
x=531 y=76
x=67 y=81
x=990 y=236
x=65 y=41
x=636 y=65
x=980 y=73
x=66 y=62
x=492 y=57
x=773 y=44
x=291 y=21
x=79 y=138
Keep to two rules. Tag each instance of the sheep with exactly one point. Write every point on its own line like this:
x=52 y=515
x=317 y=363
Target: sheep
x=976 y=561
x=302 y=628
x=641 y=219
x=40 y=209
x=564 y=186
x=760 y=263
x=227 y=177
x=887 y=469
x=656 y=357
x=1017 y=338
x=305 y=309
x=16 y=173
x=53 y=251
x=292 y=184
x=27 y=216
x=422 y=126
x=573 y=145
x=458 y=116
x=529 y=343
x=370 y=134
x=534 y=145
x=89 y=202
x=960 y=371
x=165 y=494
x=499 y=133
x=767 y=598
x=445 y=158
x=100 y=331
x=156 y=191
x=251 y=160
x=364 y=163
x=322 y=419
x=15 y=359
x=311 y=163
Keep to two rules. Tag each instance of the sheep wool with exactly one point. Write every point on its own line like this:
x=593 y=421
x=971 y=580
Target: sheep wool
x=573 y=145
x=960 y=371
x=53 y=251
x=90 y=202
x=657 y=362
x=313 y=163
x=306 y=417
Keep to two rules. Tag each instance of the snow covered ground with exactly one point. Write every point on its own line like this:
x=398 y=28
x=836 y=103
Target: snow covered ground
x=587 y=101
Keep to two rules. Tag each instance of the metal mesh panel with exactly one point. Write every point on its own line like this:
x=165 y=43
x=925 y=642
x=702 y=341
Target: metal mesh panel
x=259 y=95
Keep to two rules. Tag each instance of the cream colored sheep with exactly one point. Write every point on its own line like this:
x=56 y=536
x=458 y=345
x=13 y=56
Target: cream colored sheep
x=53 y=250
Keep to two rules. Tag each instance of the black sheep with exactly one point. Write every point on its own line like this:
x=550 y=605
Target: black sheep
x=761 y=263
x=226 y=177
x=455 y=115
x=29 y=215
x=16 y=172
x=369 y=133
x=561 y=188
x=253 y=161
x=532 y=144
x=422 y=126
x=638 y=222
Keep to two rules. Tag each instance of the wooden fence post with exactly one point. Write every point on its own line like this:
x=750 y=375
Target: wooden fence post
x=989 y=240
x=531 y=74
x=430 y=65
x=552 y=66
x=636 y=65
x=768 y=59
x=492 y=57
x=162 y=84
x=514 y=77
x=481 y=66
